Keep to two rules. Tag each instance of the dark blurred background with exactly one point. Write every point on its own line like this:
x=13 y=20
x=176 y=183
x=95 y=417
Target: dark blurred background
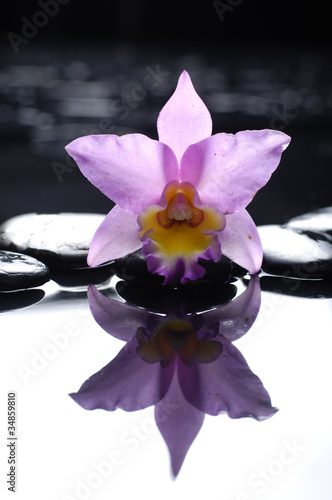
x=70 y=68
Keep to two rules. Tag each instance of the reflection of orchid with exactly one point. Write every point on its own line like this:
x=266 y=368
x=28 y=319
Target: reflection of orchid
x=184 y=364
x=183 y=197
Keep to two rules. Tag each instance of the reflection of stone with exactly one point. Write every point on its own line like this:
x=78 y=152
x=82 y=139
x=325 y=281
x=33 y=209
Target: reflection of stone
x=295 y=253
x=20 y=299
x=18 y=271
x=197 y=297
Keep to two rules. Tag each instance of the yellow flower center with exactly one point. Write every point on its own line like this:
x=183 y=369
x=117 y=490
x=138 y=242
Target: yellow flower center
x=181 y=229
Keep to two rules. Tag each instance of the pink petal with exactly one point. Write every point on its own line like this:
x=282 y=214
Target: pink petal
x=179 y=423
x=241 y=243
x=117 y=318
x=116 y=236
x=126 y=382
x=131 y=170
x=184 y=119
x=238 y=316
x=226 y=385
x=227 y=170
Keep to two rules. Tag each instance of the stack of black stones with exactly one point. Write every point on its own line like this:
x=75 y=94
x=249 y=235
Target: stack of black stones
x=36 y=248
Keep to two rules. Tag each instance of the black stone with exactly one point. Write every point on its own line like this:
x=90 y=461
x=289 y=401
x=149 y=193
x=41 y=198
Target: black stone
x=311 y=289
x=296 y=254
x=82 y=276
x=59 y=240
x=18 y=271
x=319 y=221
x=133 y=268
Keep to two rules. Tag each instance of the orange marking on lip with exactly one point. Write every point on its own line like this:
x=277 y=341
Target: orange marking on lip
x=181 y=228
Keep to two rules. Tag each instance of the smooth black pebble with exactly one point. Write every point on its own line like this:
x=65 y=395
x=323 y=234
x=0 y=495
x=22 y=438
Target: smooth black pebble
x=296 y=254
x=61 y=241
x=18 y=271
x=56 y=239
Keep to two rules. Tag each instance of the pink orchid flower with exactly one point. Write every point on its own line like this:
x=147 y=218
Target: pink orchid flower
x=181 y=198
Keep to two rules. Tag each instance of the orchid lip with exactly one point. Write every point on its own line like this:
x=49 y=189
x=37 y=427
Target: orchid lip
x=180 y=210
x=179 y=230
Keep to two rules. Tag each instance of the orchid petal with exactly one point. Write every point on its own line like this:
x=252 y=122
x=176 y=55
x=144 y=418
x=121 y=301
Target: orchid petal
x=127 y=382
x=227 y=170
x=116 y=236
x=179 y=423
x=131 y=170
x=117 y=318
x=241 y=243
x=184 y=119
x=238 y=316
x=226 y=386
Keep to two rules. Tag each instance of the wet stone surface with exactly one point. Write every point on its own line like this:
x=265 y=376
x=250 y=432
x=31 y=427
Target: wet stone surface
x=18 y=271
x=296 y=253
x=60 y=240
x=318 y=221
